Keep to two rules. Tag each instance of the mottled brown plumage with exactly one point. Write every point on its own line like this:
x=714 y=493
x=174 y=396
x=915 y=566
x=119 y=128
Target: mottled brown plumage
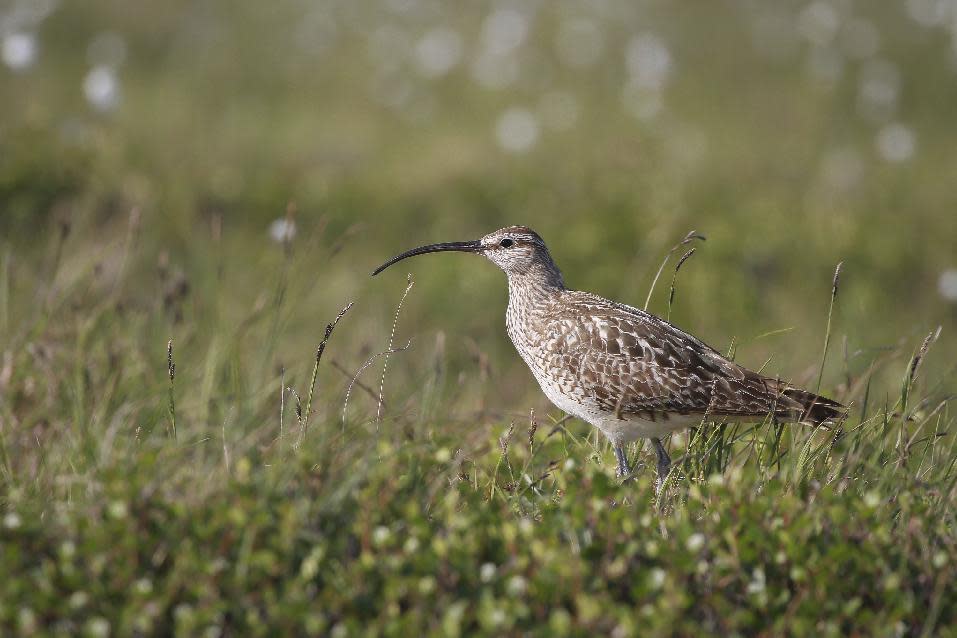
x=627 y=372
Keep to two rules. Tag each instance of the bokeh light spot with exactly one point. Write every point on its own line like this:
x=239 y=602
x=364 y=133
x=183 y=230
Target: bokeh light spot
x=896 y=143
x=517 y=130
x=19 y=51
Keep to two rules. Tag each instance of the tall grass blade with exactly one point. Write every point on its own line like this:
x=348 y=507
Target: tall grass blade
x=827 y=332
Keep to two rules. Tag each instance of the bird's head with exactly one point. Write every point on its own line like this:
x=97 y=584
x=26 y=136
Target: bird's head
x=517 y=250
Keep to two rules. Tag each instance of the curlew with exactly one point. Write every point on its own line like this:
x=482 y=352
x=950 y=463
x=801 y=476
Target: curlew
x=625 y=371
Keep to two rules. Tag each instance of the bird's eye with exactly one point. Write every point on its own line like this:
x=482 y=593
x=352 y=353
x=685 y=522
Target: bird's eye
x=506 y=243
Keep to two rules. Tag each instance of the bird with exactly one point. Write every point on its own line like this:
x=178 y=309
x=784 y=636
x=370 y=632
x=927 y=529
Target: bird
x=627 y=372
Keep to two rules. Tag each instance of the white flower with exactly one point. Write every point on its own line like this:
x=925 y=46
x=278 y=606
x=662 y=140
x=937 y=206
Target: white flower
x=657 y=577
x=98 y=627
x=648 y=60
x=517 y=585
x=947 y=284
x=504 y=30
x=12 y=520
x=517 y=130
x=818 y=22
x=79 y=599
x=896 y=143
x=380 y=534
x=19 y=51
x=438 y=51
x=282 y=230
x=695 y=542
x=758 y=582
x=102 y=88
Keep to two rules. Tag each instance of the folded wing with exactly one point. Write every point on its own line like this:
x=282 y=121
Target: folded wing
x=634 y=363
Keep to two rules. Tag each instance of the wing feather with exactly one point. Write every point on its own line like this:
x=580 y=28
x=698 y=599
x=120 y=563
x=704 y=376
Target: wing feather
x=636 y=363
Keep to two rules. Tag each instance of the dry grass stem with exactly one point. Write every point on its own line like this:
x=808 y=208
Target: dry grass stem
x=315 y=369
x=921 y=353
x=690 y=237
x=359 y=384
x=827 y=332
x=282 y=404
x=674 y=278
x=362 y=368
x=385 y=364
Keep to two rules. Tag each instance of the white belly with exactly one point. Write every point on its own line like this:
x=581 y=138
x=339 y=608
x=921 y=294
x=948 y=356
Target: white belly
x=621 y=431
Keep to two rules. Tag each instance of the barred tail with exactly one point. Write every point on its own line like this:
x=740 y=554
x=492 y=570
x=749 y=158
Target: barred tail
x=813 y=408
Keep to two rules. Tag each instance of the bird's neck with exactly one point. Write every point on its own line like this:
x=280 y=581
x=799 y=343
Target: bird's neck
x=532 y=290
x=538 y=277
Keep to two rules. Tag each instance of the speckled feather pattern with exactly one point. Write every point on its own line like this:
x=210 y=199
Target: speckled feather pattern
x=626 y=371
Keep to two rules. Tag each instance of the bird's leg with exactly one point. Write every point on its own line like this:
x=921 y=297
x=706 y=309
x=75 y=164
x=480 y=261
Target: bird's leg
x=622 y=470
x=664 y=464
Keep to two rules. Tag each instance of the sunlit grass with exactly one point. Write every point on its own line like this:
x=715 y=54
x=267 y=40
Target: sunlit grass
x=460 y=522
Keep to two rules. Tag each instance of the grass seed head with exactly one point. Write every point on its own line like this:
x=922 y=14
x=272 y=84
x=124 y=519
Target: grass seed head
x=170 y=365
x=532 y=428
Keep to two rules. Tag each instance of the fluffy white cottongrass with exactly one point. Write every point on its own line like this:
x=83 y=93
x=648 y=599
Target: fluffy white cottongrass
x=19 y=51
x=695 y=542
x=517 y=130
x=438 y=52
x=896 y=143
x=282 y=230
x=102 y=88
x=947 y=284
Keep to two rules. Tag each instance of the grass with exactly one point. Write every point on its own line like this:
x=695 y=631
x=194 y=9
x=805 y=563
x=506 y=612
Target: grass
x=401 y=523
x=207 y=432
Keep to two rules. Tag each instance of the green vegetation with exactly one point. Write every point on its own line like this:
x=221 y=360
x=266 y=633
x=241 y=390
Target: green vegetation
x=156 y=476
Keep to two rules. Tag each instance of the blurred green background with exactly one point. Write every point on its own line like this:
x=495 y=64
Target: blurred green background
x=794 y=135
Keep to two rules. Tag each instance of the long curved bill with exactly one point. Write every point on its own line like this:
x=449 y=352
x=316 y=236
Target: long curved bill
x=460 y=246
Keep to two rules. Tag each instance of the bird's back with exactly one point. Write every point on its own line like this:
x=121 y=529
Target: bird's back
x=599 y=359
